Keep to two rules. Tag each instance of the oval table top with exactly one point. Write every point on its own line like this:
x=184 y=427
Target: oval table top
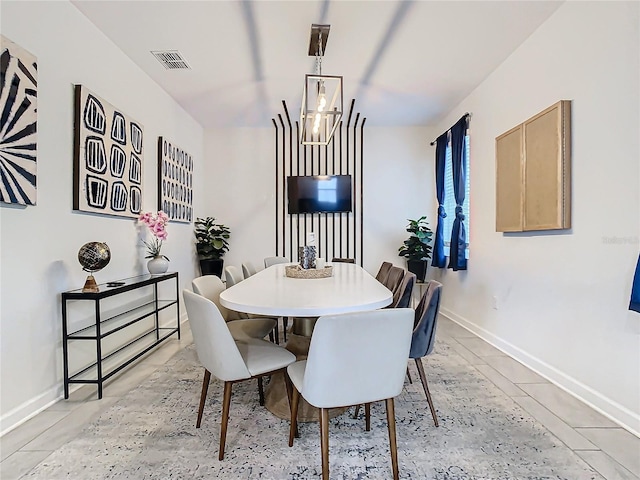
x=270 y=292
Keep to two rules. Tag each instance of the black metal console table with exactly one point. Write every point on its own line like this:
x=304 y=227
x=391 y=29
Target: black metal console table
x=103 y=327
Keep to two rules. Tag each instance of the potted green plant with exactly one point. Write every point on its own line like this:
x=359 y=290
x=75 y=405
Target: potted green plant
x=417 y=249
x=211 y=245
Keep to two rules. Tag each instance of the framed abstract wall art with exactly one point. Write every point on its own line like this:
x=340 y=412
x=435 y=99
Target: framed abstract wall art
x=108 y=158
x=175 y=181
x=18 y=115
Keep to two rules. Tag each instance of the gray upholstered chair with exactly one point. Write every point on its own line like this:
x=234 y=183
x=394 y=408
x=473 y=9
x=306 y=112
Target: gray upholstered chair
x=268 y=261
x=248 y=269
x=394 y=278
x=227 y=359
x=210 y=287
x=381 y=276
x=424 y=334
x=402 y=295
x=345 y=367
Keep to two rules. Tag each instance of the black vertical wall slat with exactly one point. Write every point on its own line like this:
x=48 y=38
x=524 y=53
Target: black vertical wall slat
x=353 y=189
x=319 y=229
x=348 y=172
x=284 y=179
x=297 y=173
x=344 y=233
x=304 y=164
x=340 y=214
x=311 y=215
x=284 y=176
x=326 y=215
x=275 y=125
x=364 y=120
x=333 y=215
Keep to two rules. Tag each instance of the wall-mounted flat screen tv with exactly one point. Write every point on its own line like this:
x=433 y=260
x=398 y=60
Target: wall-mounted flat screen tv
x=319 y=193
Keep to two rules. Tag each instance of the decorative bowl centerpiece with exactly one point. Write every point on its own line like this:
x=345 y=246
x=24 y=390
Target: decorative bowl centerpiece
x=296 y=271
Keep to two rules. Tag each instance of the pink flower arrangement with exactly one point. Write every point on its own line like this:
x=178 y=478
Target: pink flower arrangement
x=157 y=225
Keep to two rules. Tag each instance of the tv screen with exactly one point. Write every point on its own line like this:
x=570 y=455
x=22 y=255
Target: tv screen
x=320 y=193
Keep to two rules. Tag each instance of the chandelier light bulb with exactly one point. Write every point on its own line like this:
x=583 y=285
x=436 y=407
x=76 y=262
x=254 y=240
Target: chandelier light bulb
x=322 y=99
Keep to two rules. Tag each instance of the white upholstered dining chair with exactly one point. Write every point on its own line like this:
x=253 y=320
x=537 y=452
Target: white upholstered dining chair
x=345 y=368
x=269 y=261
x=248 y=269
x=232 y=276
x=210 y=287
x=227 y=359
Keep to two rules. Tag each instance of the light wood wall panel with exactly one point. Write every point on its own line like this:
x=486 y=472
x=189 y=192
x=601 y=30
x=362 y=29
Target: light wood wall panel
x=533 y=176
x=509 y=181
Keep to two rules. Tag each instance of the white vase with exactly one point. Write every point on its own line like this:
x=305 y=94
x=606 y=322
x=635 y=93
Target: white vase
x=158 y=265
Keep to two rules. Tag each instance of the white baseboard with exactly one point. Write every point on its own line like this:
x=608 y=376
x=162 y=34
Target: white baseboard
x=599 y=402
x=29 y=409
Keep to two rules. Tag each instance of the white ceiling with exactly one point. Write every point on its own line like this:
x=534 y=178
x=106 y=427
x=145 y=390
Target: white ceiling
x=405 y=62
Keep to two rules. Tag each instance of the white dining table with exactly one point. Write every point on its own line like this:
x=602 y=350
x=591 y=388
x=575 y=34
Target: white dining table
x=269 y=292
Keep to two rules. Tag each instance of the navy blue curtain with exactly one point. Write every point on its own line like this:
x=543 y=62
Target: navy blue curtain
x=457 y=259
x=634 y=304
x=439 y=259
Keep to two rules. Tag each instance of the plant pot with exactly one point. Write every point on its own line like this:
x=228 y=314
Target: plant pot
x=157 y=265
x=211 y=266
x=419 y=268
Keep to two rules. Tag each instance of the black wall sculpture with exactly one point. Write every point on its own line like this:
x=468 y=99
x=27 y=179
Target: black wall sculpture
x=337 y=234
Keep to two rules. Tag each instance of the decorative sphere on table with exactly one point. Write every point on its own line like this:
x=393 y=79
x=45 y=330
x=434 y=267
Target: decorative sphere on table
x=93 y=256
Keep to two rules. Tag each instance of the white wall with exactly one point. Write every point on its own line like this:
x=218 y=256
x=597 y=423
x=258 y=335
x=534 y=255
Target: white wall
x=40 y=243
x=398 y=184
x=563 y=296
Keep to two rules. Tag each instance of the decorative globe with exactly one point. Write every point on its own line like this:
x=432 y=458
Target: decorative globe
x=94 y=256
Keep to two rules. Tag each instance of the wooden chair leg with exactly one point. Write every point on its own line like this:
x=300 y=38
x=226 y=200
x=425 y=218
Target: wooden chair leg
x=225 y=418
x=423 y=379
x=393 y=445
x=367 y=416
x=203 y=395
x=295 y=399
x=355 y=413
x=285 y=323
x=289 y=386
x=272 y=338
x=409 y=375
x=277 y=333
x=261 y=391
x=324 y=442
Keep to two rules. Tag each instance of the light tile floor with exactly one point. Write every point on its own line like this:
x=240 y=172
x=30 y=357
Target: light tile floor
x=609 y=449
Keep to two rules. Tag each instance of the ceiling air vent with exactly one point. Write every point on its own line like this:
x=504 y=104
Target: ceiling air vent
x=171 y=60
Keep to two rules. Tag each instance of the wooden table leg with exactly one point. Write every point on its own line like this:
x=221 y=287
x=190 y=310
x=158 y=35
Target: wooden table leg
x=275 y=395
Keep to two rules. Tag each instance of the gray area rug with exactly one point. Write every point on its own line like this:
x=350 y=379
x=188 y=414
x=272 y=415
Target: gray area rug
x=150 y=434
